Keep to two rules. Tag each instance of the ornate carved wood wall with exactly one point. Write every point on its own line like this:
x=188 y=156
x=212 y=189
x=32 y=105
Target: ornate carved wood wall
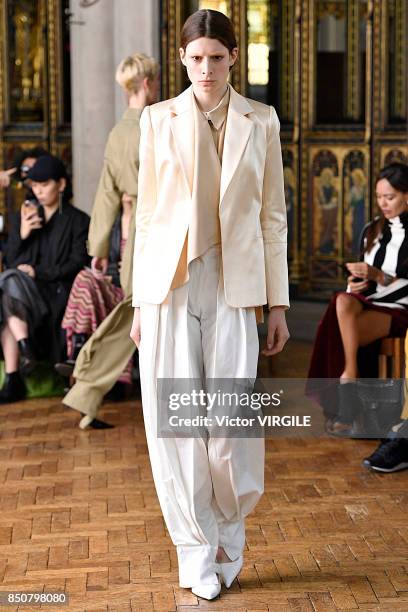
x=336 y=71
x=35 y=99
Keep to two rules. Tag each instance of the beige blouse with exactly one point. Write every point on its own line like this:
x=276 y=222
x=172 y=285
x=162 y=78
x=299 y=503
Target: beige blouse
x=217 y=119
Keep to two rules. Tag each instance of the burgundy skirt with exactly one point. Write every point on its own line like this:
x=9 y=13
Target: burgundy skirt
x=327 y=360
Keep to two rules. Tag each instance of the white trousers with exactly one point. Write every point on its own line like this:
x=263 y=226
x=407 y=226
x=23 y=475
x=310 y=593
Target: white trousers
x=205 y=487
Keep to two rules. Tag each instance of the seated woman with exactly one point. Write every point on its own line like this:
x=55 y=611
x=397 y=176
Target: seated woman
x=94 y=295
x=45 y=250
x=374 y=306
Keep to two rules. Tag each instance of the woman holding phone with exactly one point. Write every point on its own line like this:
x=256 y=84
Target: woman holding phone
x=46 y=248
x=210 y=251
x=374 y=306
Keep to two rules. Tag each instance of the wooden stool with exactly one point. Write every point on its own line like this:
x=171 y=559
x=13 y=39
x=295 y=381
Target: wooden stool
x=391 y=358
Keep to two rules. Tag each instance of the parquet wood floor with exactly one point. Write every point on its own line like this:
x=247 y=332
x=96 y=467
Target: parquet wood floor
x=79 y=514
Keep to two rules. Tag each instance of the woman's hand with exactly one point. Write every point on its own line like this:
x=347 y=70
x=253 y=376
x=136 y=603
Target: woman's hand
x=135 y=331
x=30 y=220
x=278 y=333
x=99 y=265
x=357 y=287
x=27 y=269
x=363 y=270
x=5 y=177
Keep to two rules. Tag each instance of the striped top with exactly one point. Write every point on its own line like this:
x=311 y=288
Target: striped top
x=390 y=254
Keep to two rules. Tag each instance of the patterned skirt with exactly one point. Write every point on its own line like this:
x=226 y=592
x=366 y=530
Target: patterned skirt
x=91 y=299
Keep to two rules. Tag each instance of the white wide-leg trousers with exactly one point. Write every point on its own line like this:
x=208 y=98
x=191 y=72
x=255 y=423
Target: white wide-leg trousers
x=205 y=487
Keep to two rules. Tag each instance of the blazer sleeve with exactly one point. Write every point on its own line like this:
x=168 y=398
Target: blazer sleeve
x=17 y=250
x=147 y=195
x=273 y=219
x=107 y=205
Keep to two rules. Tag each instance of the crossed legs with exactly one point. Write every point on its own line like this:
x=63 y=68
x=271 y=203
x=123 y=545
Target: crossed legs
x=358 y=327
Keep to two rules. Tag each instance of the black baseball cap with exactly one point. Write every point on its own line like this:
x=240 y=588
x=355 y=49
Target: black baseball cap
x=47 y=167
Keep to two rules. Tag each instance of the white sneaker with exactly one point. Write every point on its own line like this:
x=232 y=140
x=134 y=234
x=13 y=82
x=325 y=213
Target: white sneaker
x=206 y=591
x=230 y=570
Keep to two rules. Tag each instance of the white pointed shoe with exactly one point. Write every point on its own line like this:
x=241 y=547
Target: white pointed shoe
x=85 y=421
x=230 y=570
x=206 y=591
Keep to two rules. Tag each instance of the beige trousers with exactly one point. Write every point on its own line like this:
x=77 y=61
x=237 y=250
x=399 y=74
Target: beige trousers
x=102 y=360
x=206 y=487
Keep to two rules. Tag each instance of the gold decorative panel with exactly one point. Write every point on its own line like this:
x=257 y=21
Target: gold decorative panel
x=355 y=201
x=35 y=96
x=397 y=59
x=260 y=42
x=290 y=174
x=325 y=196
x=25 y=52
x=341 y=36
x=390 y=155
x=216 y=5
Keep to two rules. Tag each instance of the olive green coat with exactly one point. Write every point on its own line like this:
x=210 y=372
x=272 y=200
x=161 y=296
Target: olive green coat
x=119 y=176
x=105 y=355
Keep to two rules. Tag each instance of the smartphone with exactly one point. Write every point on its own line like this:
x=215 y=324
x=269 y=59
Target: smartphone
x=33 y=205
x=347 y=273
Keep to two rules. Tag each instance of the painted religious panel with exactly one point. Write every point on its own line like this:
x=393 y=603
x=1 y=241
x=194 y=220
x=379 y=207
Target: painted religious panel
x=325 y=195
x=290 y=194
x=354 y=202
x=392 y=155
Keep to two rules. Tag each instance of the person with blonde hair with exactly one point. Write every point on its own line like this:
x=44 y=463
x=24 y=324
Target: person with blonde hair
x=135 y=69
x=103 y=357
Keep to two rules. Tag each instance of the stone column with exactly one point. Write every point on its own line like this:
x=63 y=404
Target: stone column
x=101 y=35
x=137 y=29
x=92 y=94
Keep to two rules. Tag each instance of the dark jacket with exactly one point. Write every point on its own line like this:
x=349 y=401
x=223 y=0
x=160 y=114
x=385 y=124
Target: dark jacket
x=66 y=256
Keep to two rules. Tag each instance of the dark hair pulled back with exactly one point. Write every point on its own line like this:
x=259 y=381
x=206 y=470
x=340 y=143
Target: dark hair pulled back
x=209 y=24
x=397 y=176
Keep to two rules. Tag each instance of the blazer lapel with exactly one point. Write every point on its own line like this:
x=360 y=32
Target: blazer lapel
x=182 y=127
x=237 y=133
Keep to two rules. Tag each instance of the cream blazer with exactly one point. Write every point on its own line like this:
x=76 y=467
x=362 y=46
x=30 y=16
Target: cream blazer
x=252 y=207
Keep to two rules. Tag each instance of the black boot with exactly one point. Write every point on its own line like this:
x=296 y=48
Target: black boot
x=27 y=358
x=382 y=402
x=66 y=368
x=349 y=409
x=13 y=389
